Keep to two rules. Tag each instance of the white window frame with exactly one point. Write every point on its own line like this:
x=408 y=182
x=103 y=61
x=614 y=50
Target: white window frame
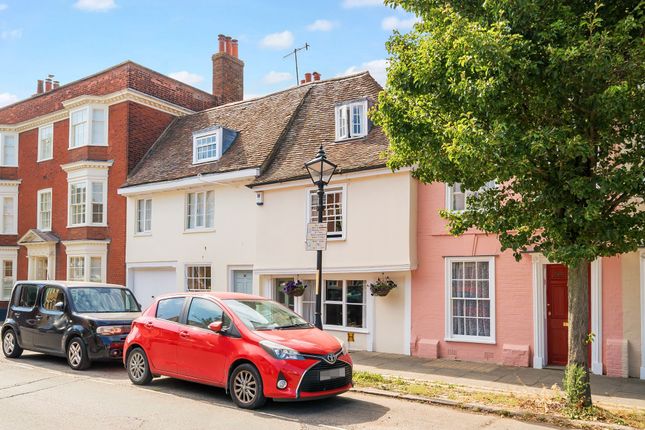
x=450 y=192
x=8 y=254
x=88 y=202
x=345 y=111
x=218 y=133
x=89 y=126
x=38 y=209
x=449 y=336
x=87 y=250
x=189 y=265
x=203 y=228
x=12 y=229
x=3 y=138
x=344 y=304
x=147 y=217
x=308 y=206
x=41 y=131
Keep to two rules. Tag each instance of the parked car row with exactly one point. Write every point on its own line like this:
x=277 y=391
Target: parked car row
x=251 y=346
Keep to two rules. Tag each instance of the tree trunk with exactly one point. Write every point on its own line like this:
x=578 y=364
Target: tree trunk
x=578 y=290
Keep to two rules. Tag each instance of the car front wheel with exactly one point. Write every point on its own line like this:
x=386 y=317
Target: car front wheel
x=10 y=346
x=77 y=357
x=246 y=387
x=138 y=367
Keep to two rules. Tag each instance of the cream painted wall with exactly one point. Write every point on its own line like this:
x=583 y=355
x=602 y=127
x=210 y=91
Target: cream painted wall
x=230 y=243
x=379 y=227
x=631 y=310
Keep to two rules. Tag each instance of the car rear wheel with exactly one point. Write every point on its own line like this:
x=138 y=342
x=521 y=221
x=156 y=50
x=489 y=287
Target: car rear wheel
x=246 y=387
x=10 y=346
x=138 y=367
x=77 y=357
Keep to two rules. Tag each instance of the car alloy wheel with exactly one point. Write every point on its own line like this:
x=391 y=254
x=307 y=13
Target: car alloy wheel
x=74 y=354
x=137 y=365
x=8 y=343
x=245 y=386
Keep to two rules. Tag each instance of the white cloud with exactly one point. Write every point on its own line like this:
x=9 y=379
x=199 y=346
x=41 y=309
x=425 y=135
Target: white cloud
x=187 y=77
x=273 y=77
x=10 y=34
x=396 y=23
x=7 y=99
x=322 y=25
x=377 y=68
x=95 y=5
x=281 y=40
x=3 y=6
x=361 y=3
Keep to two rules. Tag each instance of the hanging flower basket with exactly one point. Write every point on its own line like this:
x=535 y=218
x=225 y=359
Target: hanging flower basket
x=293 y=288
x=382 y=287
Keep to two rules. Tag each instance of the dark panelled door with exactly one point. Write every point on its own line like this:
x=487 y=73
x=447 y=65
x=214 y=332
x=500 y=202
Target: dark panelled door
x=557 y=318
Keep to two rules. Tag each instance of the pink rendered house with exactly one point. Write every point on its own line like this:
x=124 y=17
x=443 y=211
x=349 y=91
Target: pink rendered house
x=470 y=301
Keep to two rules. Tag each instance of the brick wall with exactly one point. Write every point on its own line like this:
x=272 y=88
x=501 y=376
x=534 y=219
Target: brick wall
x=144 y=127
x=228 y=78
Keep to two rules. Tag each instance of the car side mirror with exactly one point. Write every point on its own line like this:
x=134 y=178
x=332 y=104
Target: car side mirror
x=59 y=306
x=215 y=326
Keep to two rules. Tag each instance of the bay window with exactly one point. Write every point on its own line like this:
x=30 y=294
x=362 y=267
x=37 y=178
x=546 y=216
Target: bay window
x=200 y=210
x=84 y=209
x=86 y=260
x=470 y=292
x=88 y=127
x=46 y=142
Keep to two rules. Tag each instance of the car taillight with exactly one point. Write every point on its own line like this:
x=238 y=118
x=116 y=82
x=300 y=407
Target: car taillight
x=113 y=330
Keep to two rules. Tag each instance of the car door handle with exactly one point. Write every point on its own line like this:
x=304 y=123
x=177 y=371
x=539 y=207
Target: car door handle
x=184 y=334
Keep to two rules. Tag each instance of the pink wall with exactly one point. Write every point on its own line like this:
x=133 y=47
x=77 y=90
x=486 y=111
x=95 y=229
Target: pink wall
x=514 y=312
x=614 y=348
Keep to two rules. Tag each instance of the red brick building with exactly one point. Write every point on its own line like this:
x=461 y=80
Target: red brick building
x=66 y=150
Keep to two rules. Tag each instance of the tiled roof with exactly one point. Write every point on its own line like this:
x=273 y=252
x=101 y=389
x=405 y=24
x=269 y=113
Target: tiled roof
x=278 y=133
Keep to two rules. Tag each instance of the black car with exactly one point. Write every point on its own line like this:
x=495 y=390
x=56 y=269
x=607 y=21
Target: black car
x=81 y=321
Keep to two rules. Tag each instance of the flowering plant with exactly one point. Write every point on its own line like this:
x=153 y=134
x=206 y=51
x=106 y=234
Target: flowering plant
x=293 y=288
x=382 y=287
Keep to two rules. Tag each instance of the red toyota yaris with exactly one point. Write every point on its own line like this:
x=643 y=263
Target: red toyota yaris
x=252 y=346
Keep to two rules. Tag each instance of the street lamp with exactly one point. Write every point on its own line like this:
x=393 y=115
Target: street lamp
x=320 y=170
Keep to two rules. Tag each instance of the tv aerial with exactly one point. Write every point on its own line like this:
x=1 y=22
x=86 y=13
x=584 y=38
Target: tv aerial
x=295 y=56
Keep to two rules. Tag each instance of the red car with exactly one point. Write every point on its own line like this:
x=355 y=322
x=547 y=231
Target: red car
x=253 y=347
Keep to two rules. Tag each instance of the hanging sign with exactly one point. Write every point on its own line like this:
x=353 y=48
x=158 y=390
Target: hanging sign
x=316 y=236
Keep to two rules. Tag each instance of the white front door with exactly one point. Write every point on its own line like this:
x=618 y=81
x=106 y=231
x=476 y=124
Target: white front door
x=243 y=281
x=147 y=283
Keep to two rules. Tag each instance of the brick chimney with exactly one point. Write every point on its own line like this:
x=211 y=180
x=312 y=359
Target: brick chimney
x=228 y=71
x=40 y=87
x=316 y=76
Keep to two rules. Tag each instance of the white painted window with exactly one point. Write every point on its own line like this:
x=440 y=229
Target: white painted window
x=88 y=126
x=200 y=210
x=8 y=266
x=333 y=210
x=96 y=269
x=9 y=214
x=144 y=216
x=46 y=142
x=87 y=209
x=8 y=149
x=76 y=268
x=344 y=303
x=457 y=197
x=207 y=145
x=470 y=292
x=45 y=209
x=198 y=277
x=351 y=120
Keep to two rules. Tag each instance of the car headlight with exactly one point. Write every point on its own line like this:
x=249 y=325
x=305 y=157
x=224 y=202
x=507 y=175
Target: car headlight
x=281 y=352
x=113 y=330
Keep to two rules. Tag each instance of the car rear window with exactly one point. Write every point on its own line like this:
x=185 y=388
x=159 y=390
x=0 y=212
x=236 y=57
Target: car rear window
x=27 y=298
x=170 y=309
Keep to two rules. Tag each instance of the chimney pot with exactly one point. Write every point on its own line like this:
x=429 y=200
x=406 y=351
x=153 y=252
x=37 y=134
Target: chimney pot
x=48 y=85
x=307 y=77
x=222 y=42
x=234 y=45
x=40 y=87
x=302 y=81
x=229 y=45
x=316 y=76
x=56 y=84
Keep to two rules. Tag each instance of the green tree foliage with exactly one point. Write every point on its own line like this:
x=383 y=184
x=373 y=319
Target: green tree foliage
x=546 y=98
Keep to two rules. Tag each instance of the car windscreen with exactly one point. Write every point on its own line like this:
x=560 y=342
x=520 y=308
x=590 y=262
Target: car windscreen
x=103 y=299
x=265 y=315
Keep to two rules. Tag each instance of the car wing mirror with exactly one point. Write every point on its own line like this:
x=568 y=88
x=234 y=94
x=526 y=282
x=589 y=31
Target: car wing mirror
x=59 y=306
x=215 y=326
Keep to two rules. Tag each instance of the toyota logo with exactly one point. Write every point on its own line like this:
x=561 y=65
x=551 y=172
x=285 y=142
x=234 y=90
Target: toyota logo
x=331 y=358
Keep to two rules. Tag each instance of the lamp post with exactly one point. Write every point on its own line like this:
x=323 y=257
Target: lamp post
x=320 y=170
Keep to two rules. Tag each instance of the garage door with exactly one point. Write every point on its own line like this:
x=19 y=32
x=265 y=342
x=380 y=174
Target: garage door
x=151 y=282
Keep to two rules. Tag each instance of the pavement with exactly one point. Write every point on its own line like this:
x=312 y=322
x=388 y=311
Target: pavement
x=627 y=392
x=38 y=391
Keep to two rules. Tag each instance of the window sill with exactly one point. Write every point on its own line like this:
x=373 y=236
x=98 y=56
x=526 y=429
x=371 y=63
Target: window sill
x=69 y=148
x=349 y=139
x=346 y=329
x=199 y=230
x=45 y=230
x=7 y=165
x=86 y=225
x=143 y=234
x=207 y=160
x=8 y=234
x=44 y=159
x=466 y=339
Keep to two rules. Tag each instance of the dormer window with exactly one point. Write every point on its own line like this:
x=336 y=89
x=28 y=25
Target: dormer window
x=207 y=145
x=351 y=120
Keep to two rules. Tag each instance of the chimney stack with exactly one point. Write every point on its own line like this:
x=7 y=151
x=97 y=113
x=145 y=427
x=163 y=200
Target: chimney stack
x=228 y=71
x=40 y=87
x=307 y=77
x=56 y=84
x=316 y=76
x=48 y=84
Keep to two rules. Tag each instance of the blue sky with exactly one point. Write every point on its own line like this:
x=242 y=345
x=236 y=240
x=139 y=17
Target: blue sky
x=75 y=38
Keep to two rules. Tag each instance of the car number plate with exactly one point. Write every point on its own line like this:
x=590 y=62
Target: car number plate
x=326 y=375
